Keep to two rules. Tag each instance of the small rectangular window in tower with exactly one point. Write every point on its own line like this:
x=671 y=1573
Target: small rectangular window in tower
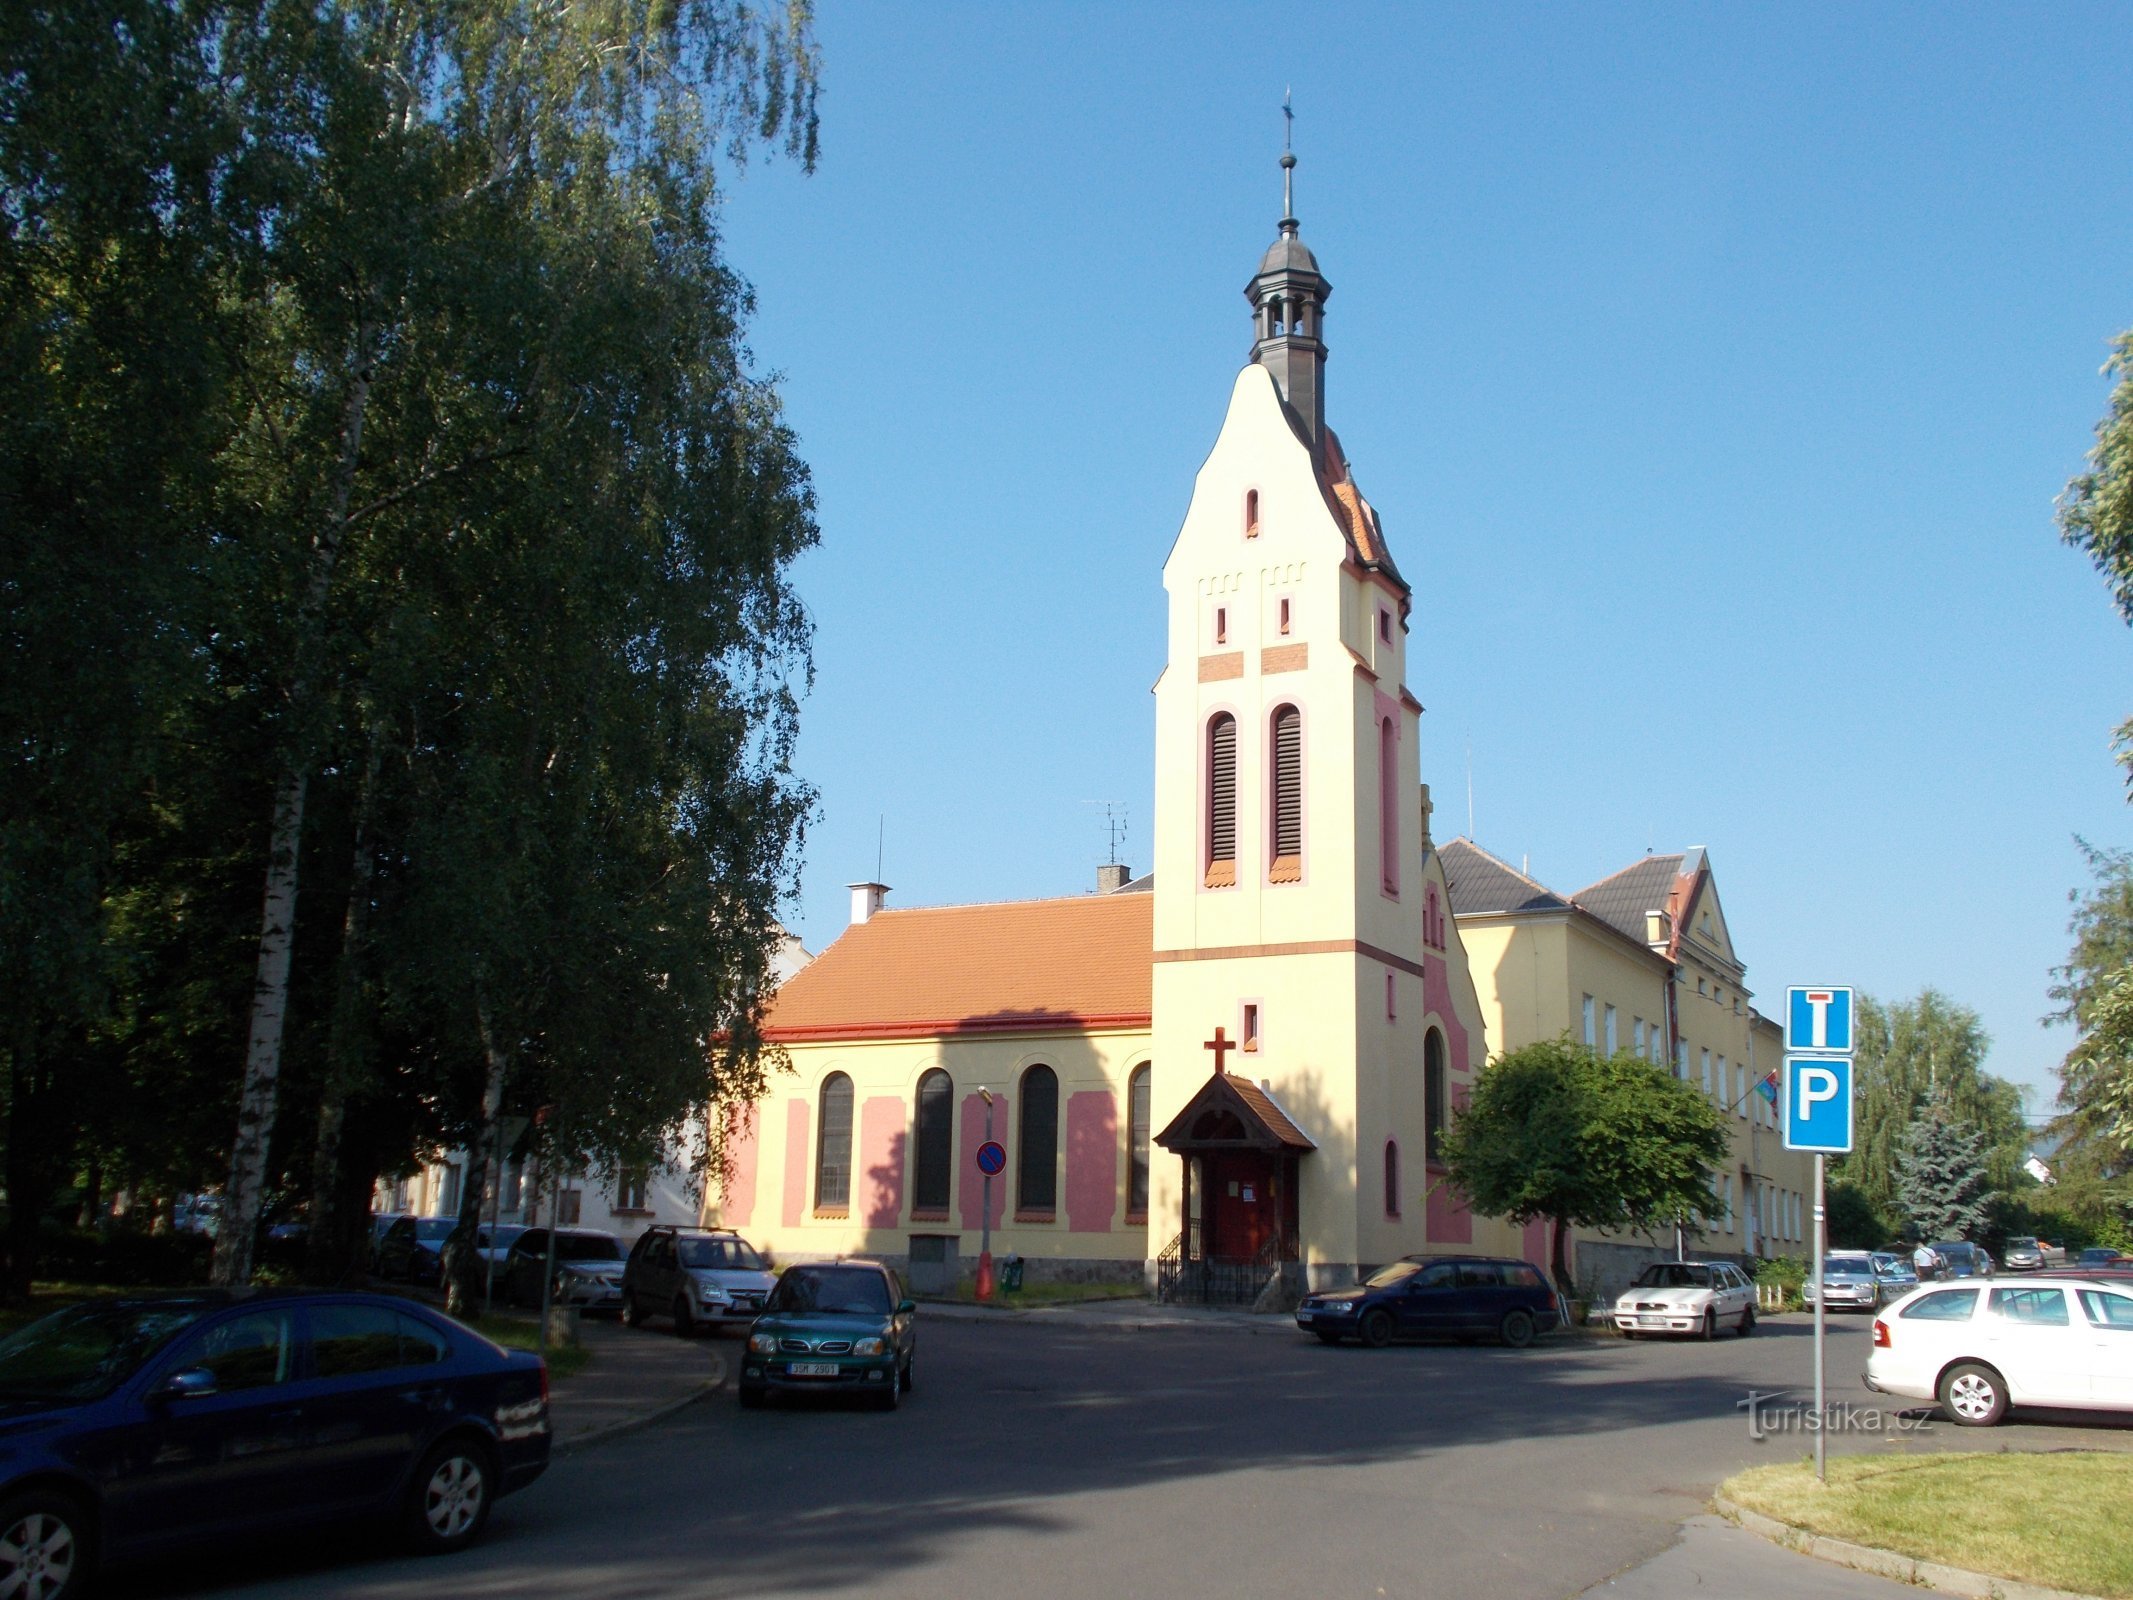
x=1251 y=513
x=1250 y=1030
x=1390 y=1014
x=1284 y=613
x=1384 y=624
x=1221 y=625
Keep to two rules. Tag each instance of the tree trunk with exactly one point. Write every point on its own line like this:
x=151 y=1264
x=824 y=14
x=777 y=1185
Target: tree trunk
x=1558 y=1264
x=238 y=1237
x=462 y=1266
x=92 y=1194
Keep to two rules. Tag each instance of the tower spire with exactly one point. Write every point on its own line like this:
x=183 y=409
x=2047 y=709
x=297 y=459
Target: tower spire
x=1288 y=165
x=1288 y=297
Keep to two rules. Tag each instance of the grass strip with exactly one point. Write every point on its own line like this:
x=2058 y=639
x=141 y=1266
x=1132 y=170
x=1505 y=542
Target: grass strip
x=513 y=1333
x=2063 y=1519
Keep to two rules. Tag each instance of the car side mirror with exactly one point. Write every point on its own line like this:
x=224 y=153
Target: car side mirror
x=194 y=1383
x=904 y=1308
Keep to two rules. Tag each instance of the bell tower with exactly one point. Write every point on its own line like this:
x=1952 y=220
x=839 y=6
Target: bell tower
x=1288 y=296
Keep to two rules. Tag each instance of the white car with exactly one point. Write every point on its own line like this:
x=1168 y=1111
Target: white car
x=1698 y=1297
x=1980 y=1347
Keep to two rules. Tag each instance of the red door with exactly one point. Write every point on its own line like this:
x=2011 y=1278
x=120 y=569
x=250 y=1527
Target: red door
x=1243 y=1204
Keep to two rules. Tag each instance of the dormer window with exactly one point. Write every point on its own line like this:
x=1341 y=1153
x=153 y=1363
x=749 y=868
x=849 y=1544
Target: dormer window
x=1251 y=513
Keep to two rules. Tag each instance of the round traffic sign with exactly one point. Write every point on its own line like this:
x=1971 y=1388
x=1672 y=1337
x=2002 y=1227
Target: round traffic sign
x=992 y=1158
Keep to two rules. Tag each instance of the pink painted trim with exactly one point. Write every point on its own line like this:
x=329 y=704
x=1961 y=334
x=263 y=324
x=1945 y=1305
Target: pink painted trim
x=880 y=1167
x=736 y=1207
x=797 y=1113
x=1092 y=1160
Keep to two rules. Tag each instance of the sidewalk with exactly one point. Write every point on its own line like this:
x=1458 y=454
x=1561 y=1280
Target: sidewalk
x=637 y=1376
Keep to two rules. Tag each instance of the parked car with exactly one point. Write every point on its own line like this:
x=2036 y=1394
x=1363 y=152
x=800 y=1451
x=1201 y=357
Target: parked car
x=135 y=1426
x=1420 y=1297
x=1960 y=1260
x=413 y=1248
x=1979 y=1348
x=1698 y=1297
x=2099 y=1255
x=697 y=1276
x=588 y=1269
x=1849 y=1282
x=2024 y=1254
x=2053 y=1252
x=841 y=1327
x=1898 y=1276
x=494 y=1244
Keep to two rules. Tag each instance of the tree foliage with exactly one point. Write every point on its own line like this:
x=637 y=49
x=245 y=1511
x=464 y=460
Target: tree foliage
x=2096 y=511
x=395 y=522
x=2095 y=993
x=1941 y=1181
x=1553 y=1131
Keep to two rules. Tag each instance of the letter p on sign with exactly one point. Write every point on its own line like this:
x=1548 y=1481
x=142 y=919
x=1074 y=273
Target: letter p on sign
x=1818 y=1104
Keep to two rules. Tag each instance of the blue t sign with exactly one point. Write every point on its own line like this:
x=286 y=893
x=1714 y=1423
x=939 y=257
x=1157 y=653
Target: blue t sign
x=1819 y=1020
x=1818 y=1104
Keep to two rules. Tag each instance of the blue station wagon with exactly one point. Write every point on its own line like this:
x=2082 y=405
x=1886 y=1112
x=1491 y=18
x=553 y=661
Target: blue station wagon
x=1437 y=1297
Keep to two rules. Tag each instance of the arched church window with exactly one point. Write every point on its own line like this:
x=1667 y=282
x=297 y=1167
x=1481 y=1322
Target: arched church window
x=1037 y=1158
x=1436 y=1097
x=1221 y=801
x=1137 y=1143
x=1251 y=513
x=1287 y=797
x=833 y=1150
x=932 y=1142
x=1392 y=1177
x=1388 y=808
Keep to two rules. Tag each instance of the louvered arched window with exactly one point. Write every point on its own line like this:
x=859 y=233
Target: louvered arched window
x=1037 y=1161
x=833 y=1150
x=1221 y=801
x=1436 y=1096
x=932 y=1143
x=1287 y=797
x=1137 y=1143
x=1388 y=812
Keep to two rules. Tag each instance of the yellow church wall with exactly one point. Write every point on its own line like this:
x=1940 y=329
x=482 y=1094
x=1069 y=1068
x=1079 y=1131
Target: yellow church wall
x=772 y=1196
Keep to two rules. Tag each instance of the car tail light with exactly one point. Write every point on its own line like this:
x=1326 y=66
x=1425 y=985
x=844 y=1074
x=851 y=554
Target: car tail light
x=1881 y=1334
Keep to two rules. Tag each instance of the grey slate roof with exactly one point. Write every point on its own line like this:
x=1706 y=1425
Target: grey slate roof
x=1621 y=901
x=1481 y=884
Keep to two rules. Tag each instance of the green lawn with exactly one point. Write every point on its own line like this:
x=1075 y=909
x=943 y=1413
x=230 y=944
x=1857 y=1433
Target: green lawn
x=2064 y=1520
x=516 y=1333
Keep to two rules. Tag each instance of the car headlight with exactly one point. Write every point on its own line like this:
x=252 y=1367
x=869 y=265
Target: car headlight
x=869 y=1347
x=713 y=1295
x=762 y=1344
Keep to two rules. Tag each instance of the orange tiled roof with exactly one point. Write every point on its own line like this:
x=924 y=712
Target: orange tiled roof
x=1020 y=966
x=1355 y=513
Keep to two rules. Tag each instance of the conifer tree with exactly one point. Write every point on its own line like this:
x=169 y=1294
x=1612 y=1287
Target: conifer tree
x=1940 y=1177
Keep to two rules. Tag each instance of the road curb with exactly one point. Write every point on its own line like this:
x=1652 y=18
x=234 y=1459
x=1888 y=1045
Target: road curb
x=1887 y=1563
x=644 y=1419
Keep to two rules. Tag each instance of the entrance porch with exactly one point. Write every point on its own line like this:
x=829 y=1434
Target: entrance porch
x=1237 y=1241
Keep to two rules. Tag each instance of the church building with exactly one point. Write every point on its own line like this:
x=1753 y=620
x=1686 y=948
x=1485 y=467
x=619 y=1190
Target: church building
x=1227 y=1079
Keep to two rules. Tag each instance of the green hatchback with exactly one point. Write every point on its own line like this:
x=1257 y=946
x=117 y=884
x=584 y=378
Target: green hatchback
x=840 y=1327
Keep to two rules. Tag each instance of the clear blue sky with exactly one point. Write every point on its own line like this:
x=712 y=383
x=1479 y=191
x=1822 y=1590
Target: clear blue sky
x=1714 y=371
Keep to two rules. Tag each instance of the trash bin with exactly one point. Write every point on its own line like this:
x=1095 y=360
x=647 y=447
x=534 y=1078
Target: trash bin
x=1011 y=1275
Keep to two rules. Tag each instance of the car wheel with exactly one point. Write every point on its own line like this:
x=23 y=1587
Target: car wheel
x=907 y=1375
x=890 y=1395
x=1747 y=1322
x=1973 y=1394
x=684 y=1318
x=1327 y=1336
x=1710 y=1324
x=45 y=1550
x=1376 y=1328
x=1516 y=1329
x=453 y=1490
x=632 y=1313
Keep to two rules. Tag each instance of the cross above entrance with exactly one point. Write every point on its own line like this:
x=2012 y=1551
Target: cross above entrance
x=1221 y=1046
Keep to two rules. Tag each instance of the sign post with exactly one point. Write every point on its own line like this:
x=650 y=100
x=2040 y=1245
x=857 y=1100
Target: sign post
x=1818 y=1117
x=992 y=1159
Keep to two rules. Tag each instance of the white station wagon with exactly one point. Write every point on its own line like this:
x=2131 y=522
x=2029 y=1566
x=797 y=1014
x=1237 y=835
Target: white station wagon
x=1978 y=1348
x=1698 y=1297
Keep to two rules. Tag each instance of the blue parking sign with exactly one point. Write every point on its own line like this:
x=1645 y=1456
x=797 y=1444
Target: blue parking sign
x=1819 y=1020
x=1818 y=1104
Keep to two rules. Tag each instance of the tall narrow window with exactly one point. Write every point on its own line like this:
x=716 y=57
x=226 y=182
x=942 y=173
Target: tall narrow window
x=1250 y=1029
x=833 y=1152
x=1436 y=1097
x=1251 y=513
x=1612 y=1035
x=1287 y=865
x=1221 y=801
x=1038 y=1158
x=1392 y=1178
x=932 y=1154
x=1284 y=613
x=1221 y=624
x=1592 y=1035
x=1388 y=813
x=1137 y=1143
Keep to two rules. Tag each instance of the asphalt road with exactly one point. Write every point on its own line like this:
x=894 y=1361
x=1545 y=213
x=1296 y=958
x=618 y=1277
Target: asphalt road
x=1038 y=1463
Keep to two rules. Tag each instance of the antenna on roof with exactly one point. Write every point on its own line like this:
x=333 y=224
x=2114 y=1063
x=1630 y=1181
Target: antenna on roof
x=1115 y=814
x=881 y=834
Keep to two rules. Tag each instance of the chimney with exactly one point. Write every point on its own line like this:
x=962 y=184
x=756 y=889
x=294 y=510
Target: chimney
x=1111 y=877
x=866 y=900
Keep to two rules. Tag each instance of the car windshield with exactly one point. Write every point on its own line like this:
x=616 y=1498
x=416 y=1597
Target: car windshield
x=498 y=1238
x=587 y=1247
x=1954 y=1247
x=86 y=1351
x=1847 y=1264
x=731 y=1254
x=2022 y=1244
x=431 y=1229
x=1891 y=1266
x=832 y=1289
x=1384 y=1277
x=1674 y=1275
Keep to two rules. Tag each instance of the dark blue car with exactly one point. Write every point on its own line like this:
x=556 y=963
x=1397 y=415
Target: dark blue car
x=1437 y=1297
x=129 y=1427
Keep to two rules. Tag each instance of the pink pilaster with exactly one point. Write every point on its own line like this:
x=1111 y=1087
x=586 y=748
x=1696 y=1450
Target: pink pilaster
x=736 y=1207
x=881 y=1159
x=1091 y=1160
x=796 y=1173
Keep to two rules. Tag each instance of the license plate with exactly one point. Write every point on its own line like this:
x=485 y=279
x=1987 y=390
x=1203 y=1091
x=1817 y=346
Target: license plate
x=812 y=1369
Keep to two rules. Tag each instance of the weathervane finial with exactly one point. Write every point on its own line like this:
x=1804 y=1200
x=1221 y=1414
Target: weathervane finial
x=1288 y=163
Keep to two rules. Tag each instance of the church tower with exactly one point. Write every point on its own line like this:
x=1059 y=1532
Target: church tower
x=1306 y=1029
